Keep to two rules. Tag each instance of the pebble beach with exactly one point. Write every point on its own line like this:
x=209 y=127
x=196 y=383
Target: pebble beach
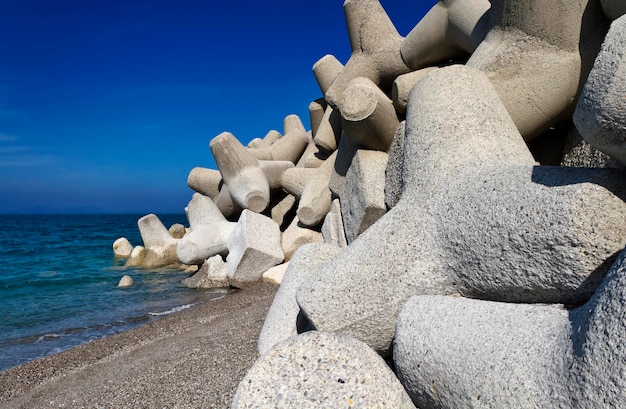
x=190 y=359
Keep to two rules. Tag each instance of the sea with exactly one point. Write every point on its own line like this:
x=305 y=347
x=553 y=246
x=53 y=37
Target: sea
x=58 y=283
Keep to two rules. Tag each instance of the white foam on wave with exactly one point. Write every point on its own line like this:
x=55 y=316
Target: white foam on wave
x=172 y=310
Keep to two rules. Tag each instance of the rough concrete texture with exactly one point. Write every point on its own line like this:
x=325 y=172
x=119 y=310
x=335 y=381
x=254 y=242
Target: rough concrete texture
x=122 y=248
x=315 y=200
x=290 y=147
x=363 y=193
x=532 y=55
x=247 y=183
x=315 y=370
x=275 y=274
x=403 y=85
x=578 y=152
x=205 y=181
x=137 y=257
x=253 y=247
x=208 y=232
x=159 y=244
x=613 y=9
x=316 y=113
x=518 y=239
x=393 y=173
x=271 y=137
x=367 y=115
x=329 y=132
x=273 y=170
x=456 y=352
x=599 y=115
x=211 y=274
x=345 y=153
x=280 y=322
x=283 y=211
x=375 y=45
x=297 y=235
x=451 y=29
x=311 y=157
x=226 y=204
x=293 y=180
x=332 y=228
x=325 y=70
x=177 y=230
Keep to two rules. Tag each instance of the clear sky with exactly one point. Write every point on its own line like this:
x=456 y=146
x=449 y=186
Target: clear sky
x=106 y=105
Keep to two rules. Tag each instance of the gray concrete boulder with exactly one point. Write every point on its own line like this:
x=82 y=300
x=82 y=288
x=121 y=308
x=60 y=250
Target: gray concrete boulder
x=211 y=274
x=137 y=257
x=375 y=45
x=315 y=370
x=475 y=217
x=403 y=85
x=283 y=210
x=159 y=244
x=280 y=322
x=329 y=132
x=457 y=352
x=367 y=115
x=363 y=192
x=296 y=235
x=316 y=113
x=208 y=232
x=122 y=248
x=254 y=246
x=332 y=228
x=205 y=181
x=451 y=29
x=534 y=55
x=393 y=173
x=275 y=274
x=126 y=281
x=177 y=230
x=599 y=115
x=241 y=171
x=288 y=148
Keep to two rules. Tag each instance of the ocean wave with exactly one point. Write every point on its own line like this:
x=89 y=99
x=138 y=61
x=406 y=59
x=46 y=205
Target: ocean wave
x=172 y=310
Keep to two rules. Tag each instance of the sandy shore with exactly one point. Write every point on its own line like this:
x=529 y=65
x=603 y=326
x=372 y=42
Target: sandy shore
x=191 y=359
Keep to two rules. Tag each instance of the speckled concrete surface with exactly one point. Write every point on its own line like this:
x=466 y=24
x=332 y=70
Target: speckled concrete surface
x=192 y=359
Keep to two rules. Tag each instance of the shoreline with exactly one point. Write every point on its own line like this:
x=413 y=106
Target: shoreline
x=192 y=358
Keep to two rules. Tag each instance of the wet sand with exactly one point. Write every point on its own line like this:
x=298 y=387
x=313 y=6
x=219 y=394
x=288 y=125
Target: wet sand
x=191 y=359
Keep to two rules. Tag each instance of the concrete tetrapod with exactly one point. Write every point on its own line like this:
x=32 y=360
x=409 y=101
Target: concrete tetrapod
x=208 y=232
x=375 y=45
x=325 y=70
x=457 y=352
x=160 y=246
x=205 y=181
x=290 y=147
x=451 y=29
x=537 y=54
x=600 y=115
x=241 y=171
x=280 y=323
x=475 y=217
x=368 y=117
x=319 y=370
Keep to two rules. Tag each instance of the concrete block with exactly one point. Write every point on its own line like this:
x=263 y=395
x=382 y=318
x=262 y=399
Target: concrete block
x=457 y=352
x=523 y=233
x=451 y=29
x=290 y=147
x=160 y=246
x=208 y=232
x=122 y=248
x=211 y=274
x=297 y=235
x=363 y=193
x=280 y=323
x=375 y=45
x=275 y=274
x=325 y=70
x=205 y=181
x=403 y=85
x=579 y=153
x=332 y=229
x=254 y=247
x=393 y=173
x=599 y=115
x=316 y=370
x=247 y=183
x=534 y=55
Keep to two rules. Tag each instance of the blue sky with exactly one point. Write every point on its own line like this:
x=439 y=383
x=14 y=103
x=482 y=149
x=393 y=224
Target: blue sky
x=107 y=105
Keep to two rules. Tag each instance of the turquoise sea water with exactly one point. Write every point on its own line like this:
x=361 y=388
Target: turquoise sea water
x=58 y=283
